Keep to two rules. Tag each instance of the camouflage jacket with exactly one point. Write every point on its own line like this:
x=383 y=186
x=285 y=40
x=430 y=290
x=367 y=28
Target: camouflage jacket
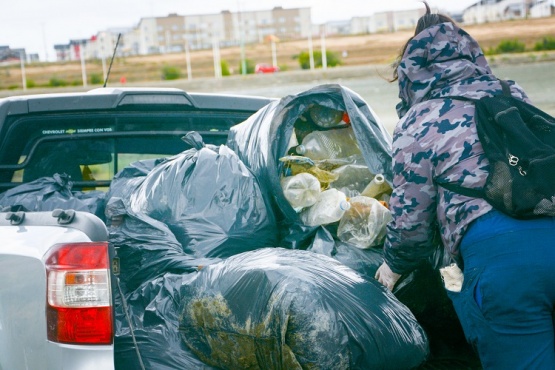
x=435 y=142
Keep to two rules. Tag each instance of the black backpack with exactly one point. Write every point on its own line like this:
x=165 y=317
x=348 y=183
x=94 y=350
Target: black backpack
x=519 y=142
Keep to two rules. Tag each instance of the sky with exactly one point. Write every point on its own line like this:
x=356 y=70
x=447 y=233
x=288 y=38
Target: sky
x=38 y=25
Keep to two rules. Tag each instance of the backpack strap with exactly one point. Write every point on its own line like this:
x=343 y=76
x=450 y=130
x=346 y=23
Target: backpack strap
x=506 y=88
x=469 y=192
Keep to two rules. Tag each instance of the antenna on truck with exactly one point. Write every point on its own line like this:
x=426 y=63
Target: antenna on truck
x=112 y=60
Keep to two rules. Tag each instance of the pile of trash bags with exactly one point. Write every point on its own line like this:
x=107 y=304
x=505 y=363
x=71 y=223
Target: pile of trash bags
x=261 y=253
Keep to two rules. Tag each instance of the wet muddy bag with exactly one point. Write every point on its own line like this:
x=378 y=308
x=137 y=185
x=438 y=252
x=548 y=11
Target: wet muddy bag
x=276 y=308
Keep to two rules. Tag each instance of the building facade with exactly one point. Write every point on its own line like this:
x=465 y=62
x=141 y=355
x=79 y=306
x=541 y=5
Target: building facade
x=389 y=21
x=485 y=11
x=175 y=33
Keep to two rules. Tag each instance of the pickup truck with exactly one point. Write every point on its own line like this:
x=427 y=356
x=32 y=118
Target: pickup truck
x=56 y=266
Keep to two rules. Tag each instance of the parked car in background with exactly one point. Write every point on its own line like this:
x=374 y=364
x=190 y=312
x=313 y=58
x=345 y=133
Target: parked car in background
x=265 y=68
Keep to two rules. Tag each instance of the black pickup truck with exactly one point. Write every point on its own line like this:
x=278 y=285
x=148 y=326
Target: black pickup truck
x=91 y=136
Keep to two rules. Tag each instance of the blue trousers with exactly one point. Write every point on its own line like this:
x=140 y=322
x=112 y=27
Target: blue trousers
x=508 y=294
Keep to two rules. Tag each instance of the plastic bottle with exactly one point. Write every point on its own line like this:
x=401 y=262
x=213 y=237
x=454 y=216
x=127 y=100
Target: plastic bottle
x=329 y=208
x=326 y=117
x=376 y=187
x=364 y=224
x=329 y=144
x=301 y=190
x=352 y=178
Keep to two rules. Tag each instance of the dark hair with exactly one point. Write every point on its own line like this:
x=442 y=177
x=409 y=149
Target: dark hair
x=427 y=20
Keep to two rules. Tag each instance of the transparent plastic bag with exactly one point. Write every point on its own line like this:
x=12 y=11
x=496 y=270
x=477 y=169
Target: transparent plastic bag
x=364 y=223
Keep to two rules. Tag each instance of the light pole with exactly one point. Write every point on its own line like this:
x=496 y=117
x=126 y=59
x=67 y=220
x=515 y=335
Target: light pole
x=23 y=76
x=188 y=61
x=83 y=69
x=217 y=59
x=310 y=51
x=241 y=40
x=324 y=56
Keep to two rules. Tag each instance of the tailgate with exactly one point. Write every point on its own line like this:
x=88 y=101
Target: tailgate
x=23 y=290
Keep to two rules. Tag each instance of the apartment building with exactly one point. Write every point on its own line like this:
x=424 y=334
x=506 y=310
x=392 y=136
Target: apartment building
x=389 y=21
x=485 y=11
x=175 y=33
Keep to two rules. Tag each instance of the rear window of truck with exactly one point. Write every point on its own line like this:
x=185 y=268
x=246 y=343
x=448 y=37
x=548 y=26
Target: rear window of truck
x=92 y=148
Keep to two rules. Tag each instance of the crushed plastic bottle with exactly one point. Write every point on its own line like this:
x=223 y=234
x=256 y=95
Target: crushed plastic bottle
x=364 y=224
x=376 y=187
x=329 y=144
x=352 y=179
x=301 y=190
x=329 y=208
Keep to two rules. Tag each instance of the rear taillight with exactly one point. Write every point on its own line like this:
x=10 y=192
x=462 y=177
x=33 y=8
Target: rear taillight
x=79 y=305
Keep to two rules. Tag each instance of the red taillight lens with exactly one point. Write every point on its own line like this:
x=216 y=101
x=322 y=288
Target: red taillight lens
x=78 y=294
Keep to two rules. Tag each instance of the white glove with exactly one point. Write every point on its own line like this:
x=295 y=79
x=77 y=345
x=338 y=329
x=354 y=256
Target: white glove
x=387 y=277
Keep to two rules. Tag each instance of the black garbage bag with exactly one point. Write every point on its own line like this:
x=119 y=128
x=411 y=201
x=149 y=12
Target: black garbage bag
x=146 y=248
x=49 y=193
x=264 y=138
x=210 y=201
x=422 y=291
x=128 y=179
x=146 y=330
x=364 y=261
x=276 y=308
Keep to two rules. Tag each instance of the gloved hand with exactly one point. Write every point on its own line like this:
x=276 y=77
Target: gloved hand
x=387 y=277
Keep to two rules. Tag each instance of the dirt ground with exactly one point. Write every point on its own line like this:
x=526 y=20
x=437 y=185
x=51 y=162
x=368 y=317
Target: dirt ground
x=361 y=50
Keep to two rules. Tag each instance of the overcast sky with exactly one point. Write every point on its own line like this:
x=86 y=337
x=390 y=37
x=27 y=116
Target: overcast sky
x=37 y=25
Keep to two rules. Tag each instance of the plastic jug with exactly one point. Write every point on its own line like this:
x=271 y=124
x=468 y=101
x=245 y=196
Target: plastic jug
x=329 y=208
x=376 y=187
x=330 y=144
x=364 y=224
x=301 y=190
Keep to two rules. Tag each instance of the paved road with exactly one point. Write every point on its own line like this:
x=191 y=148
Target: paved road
x=538 y=79
x=371 y=82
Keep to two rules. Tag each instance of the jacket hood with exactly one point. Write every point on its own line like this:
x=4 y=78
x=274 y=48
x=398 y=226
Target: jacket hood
x=441 y=60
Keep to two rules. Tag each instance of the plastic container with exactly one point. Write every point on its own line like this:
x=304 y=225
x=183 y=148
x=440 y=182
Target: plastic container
x=352 y=179
x=301 y=190
x=364 y=224
x=376 y=187
x=329 y=144
x=326 y=117
x=329 y=208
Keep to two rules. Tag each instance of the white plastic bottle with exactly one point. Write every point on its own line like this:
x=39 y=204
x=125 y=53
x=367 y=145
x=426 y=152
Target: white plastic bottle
x=376 y=187
x=330 y=144
x=364 y=224
x=329 y=208
x=301 y=190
